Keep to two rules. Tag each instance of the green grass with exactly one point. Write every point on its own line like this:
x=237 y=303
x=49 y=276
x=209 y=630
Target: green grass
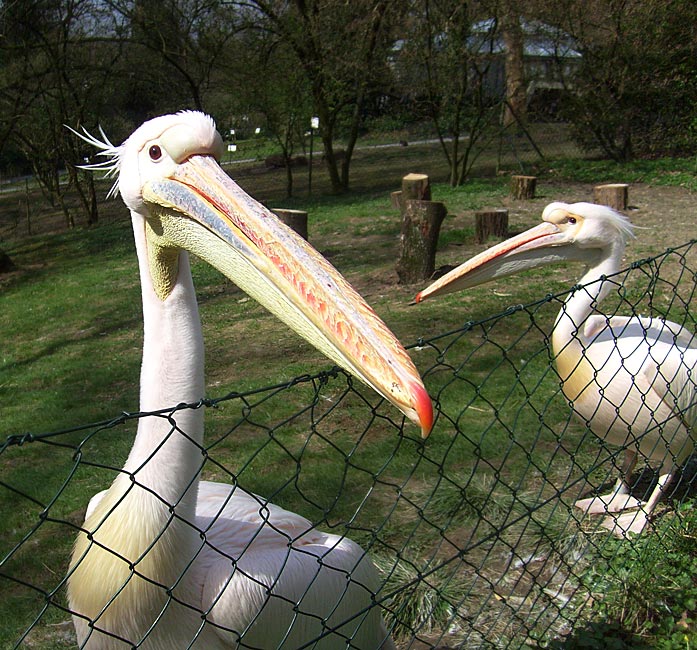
x=668 y=171
x=487 y=480
x=646 y=592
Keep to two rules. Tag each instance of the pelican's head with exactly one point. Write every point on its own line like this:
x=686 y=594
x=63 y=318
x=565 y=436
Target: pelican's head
x=569 y=232
x=588 y=225
x=168 y=174
x=158 y=147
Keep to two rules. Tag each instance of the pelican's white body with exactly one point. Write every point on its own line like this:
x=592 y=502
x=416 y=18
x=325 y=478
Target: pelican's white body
x=223 y=552
x=622 y=374
x=623 y=377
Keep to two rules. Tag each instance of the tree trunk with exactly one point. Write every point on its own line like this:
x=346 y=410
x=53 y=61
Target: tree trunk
x=421 y=221
x=491 y=223
x=523 y=187
x=616 y=195
x=327 y=135
x=6 y=263
x=416 y=186
x=289 y=177
x=88 y=196
x=516 y=96
x=27 y=203
x=396 y=199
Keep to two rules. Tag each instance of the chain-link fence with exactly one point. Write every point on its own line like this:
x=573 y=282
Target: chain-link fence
x=473 y=530
x=521 y=149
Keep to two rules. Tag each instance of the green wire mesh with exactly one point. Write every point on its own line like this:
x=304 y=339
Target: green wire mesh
x=473 y=530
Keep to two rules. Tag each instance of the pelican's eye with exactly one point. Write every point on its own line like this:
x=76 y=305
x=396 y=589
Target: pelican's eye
x=155 y=152
x=571 y=220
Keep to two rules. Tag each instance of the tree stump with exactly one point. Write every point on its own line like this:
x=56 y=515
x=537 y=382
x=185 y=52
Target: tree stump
x=296 y=219
x=421 y=221
x=6 y=263
x=396 y=199
x=416 y=186
x=615 y=195
x=490 y=223
x=523 y=187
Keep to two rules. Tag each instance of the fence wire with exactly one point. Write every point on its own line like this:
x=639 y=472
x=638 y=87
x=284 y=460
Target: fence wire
x=473 y=531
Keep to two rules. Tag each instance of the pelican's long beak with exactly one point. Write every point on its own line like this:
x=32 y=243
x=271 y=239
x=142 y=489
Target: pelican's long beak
x=274 y=265
x=546 y=243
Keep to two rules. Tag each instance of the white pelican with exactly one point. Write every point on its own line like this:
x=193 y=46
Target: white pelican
x=628 y=378
x=166 y=561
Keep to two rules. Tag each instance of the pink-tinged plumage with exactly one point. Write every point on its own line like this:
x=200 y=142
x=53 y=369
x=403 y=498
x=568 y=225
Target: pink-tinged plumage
x=166 y=560
x=628 y=378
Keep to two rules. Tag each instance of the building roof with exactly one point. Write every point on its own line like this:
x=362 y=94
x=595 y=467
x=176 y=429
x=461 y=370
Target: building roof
x=539 y=40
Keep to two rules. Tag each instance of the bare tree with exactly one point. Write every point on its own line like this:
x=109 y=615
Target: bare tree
x=53 y=75
x=174 y=48
x=341 y=47
x=269 y=85
x=443 y=69
x=636 y=89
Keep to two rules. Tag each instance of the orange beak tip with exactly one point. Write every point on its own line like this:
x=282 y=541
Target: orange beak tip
x=424 y=409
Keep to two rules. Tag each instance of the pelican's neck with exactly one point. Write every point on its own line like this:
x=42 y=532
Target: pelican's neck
x=166 y=453
x=145 y=518
x=568 y=341
x=582 y=303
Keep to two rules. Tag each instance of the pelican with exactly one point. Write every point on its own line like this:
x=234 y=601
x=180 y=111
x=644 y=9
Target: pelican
x=165 y=560
x=628 y=378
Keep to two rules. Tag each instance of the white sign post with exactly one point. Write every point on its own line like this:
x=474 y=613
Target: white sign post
x=314 y=125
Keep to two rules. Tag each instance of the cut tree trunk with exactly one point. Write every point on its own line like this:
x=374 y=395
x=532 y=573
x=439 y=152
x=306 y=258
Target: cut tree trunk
x=296 y=219
x=615 y=195
x=421 y=222
x=416 y=186
x=491 y=223
x=523 y=187
x=6 y=263
x=396 y=200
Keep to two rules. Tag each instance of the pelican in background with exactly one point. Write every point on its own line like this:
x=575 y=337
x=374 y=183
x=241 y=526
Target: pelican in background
x=628 y=378
x=167 y=561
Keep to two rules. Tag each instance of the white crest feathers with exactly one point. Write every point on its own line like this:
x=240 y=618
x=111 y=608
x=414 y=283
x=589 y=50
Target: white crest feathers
x=111 y=152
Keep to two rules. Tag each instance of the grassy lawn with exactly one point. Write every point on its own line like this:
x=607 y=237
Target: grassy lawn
x=473 y=528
